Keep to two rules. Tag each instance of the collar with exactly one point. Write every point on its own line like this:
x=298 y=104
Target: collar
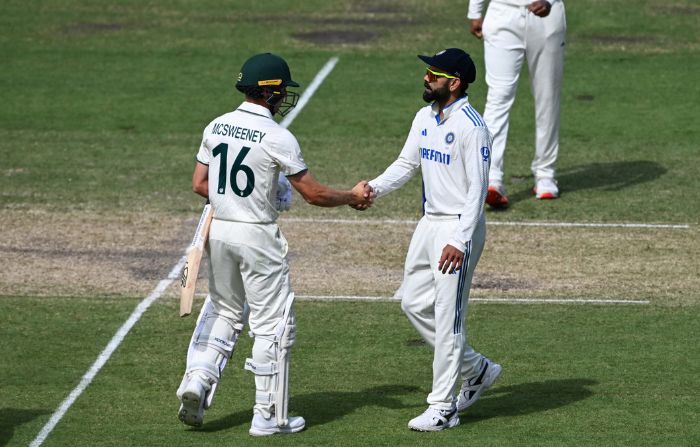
x=449 y=109
x=255 y=109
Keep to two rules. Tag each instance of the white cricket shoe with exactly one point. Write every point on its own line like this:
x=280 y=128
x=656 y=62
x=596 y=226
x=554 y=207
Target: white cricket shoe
x=266 y=427
x=473 y=388
x=546 y=188
x=192 y=394
x=435 y=420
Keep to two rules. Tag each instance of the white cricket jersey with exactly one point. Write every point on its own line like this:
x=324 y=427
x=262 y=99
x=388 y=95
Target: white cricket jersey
x=245 y=151
x=475 y=6
x=453 y=154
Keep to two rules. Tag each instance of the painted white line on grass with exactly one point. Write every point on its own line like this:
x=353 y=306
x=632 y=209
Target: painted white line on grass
x=495 y=223
x=477 y=300
x=591 y=225
x=158 y=291
x=309 y=92
x=108 y=351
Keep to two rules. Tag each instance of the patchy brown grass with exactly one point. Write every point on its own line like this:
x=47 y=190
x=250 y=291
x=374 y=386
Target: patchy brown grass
x=53 y=254
x=612 y=263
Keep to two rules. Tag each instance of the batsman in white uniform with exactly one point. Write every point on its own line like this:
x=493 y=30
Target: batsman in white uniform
x=238 y=165
x=515 y=30
x=451 y=146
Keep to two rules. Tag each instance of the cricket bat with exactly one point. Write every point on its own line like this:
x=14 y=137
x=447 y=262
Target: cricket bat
x=194 y=257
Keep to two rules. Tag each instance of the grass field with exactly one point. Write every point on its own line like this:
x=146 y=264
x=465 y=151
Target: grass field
x=102 y=111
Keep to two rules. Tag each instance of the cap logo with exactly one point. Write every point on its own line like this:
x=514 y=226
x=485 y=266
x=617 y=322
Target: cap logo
x=240 y=76
x=270 y=82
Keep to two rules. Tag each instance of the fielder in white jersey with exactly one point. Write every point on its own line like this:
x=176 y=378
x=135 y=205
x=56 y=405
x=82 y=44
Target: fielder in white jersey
x=515 y=30
x=238 y=165
x=451 y=146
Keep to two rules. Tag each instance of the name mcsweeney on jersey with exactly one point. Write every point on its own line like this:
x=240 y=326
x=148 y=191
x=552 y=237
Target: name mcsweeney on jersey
x=433 y=155
x=240 y=133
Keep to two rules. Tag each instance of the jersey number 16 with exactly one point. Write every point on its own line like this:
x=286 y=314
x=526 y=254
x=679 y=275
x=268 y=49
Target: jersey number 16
x=238 y=166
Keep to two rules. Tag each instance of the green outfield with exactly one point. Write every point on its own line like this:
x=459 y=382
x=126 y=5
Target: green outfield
x=102 y=109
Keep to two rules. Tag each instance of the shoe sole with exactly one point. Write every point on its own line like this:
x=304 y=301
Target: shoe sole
x=274 y=431
x=488 y=381
x=545 y=195
x=495 y=199
x=191 y=409
x=451 y=423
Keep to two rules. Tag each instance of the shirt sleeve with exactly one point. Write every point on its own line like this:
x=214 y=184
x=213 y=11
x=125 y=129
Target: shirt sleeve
x=474 y=9
x=204 y=154
x=401 y=170
x=477 y=159
x=285 y=149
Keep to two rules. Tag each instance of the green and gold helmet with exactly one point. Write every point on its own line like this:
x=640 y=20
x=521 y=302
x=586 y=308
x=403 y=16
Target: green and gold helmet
x=265 y=70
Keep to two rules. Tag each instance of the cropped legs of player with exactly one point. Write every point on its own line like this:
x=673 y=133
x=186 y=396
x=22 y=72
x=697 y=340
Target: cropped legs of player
x=236 y=279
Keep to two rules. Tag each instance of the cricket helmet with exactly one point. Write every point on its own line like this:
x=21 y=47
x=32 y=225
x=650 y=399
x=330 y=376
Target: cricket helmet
x=265 y=70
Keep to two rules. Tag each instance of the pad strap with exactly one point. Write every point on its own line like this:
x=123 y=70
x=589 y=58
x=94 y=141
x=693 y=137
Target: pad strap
x=263 y=398
x=261 y=369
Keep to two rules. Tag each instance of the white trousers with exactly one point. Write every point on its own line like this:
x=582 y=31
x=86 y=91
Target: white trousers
x=512 y=34
x=249 y=263
x=436 y=304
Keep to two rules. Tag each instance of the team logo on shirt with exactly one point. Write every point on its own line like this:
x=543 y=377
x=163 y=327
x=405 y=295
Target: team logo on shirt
x=485 y=153
x=424 y=132
x=449 y=138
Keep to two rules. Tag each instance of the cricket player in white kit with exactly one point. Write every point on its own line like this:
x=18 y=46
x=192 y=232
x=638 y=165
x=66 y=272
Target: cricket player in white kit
x=451 y=146
x=515 y=30
x=238 y=165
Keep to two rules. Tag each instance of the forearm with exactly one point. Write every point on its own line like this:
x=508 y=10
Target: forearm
x=475 y=8
x=202 y=190
x=200 y=180
x=468 y=221
x=394 y=177
x=328 y=197
x=319 y=194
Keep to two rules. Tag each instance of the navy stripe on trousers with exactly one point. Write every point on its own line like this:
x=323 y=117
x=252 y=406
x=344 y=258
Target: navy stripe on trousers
x=457 y=327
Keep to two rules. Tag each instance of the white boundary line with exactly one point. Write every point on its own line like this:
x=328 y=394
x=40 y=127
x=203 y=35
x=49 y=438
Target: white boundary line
x=108 y=351
x=495 y=223
x=310 y=90
x=477 y=300
x=157 y=292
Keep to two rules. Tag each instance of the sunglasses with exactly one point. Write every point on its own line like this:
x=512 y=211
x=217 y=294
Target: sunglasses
x=434 y=75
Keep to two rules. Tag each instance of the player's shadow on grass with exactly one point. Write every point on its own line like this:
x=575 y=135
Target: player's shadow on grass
x=612 y=176
x=526 y=398
x=335 y=405
x=11 y=418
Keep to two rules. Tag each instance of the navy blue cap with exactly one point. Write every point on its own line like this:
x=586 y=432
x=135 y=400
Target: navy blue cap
x=453 y=61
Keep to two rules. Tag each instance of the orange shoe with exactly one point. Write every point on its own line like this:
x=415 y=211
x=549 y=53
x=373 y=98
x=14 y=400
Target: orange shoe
x=496 y=197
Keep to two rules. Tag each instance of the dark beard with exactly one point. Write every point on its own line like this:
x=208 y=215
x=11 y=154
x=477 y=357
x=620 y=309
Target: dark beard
x=430 y=95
